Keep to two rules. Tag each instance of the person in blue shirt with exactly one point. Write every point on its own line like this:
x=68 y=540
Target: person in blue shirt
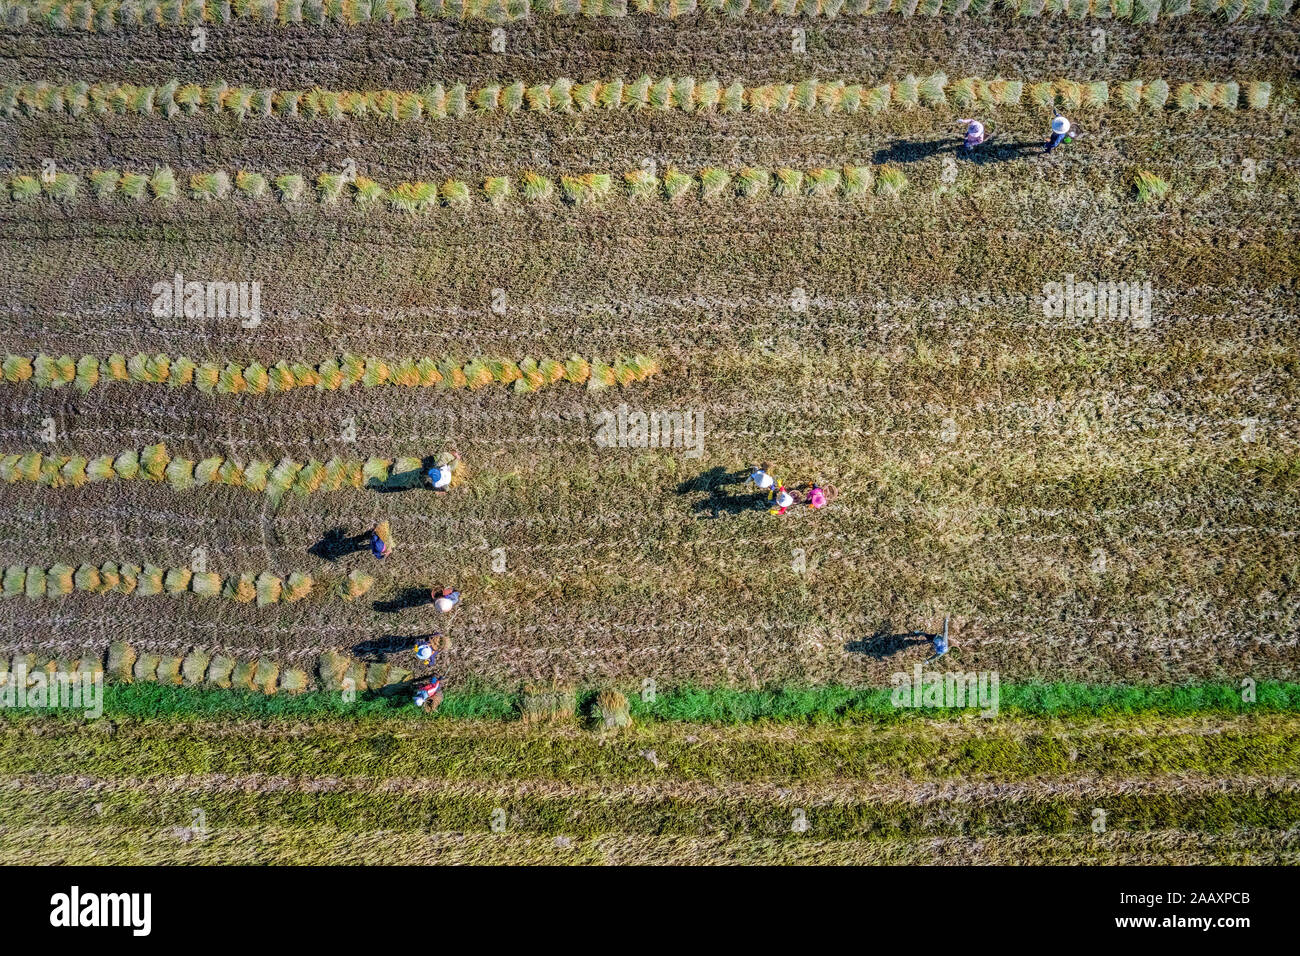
x=381 y=540
x=1060 y=131
x=940 y=641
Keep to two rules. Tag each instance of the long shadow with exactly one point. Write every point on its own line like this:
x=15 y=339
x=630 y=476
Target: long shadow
x=395 y=695
x=405 y=481
x=992 y=150
x=911 y=151
x=884 y=643
x=337 y=544
x=406 y=598
x=996 y=151
x=710 y=480
x=715 y=506
x=721 y=502
x=376 y=650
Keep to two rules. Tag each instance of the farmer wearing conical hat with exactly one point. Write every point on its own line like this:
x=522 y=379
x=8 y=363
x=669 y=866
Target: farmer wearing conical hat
x=974 y=134
x=1060 y=131
x=428 y=691
x=816 y=498
x=446 y=600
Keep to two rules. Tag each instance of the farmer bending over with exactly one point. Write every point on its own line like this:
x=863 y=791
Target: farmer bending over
x=1060 y=130
x=761 y=478
x=447 y=600
x=783 y=501
x=381 y=540
x=974 y=134
x=440 y=475
x=428 y=691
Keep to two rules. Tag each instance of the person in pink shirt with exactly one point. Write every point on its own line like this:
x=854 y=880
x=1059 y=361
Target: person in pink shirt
x=816 y=498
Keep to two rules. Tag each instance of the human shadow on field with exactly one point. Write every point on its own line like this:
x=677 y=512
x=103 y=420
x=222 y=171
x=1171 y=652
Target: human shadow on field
x=717 y=505
x=337 y=544
x=884 y=643
x=719 y=502
x=994 y=150
x=910 y=151
x=377 y=649
x=399 y=694
x=406 y=598
x=404 y=481
x=712 y=479
x=395 y=695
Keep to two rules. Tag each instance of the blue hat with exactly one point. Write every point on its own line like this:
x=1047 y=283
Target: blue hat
x=435 y=474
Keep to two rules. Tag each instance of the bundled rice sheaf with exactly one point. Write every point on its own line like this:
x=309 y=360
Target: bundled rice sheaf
x=170 y=670
x=612 y=710
x=331 y=667
x=243 y=674
x=194 y=667
x=146 y=667
x=121 y=662
x=220 y=670
x=542 y=704
x=266 y=676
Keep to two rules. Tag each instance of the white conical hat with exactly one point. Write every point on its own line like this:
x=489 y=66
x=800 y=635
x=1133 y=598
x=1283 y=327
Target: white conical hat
x=1060 y=125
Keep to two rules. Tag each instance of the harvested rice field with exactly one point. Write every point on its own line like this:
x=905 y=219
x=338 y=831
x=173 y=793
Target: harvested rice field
x=267 y=263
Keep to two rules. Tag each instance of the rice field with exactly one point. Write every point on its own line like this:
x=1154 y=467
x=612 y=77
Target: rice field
x=266 y=263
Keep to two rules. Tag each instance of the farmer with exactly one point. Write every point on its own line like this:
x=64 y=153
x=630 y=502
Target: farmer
x=428 y=691
x=1060 y=129
x=381 y=540
x=783 y=501
x=446 y=600
x=940 y=641
x=440 y=475
x=424 y=651
x=974 y=134
x=816 y=498
x=762 y=480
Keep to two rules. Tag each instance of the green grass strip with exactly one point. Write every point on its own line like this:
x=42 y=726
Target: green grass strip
x=833 y=703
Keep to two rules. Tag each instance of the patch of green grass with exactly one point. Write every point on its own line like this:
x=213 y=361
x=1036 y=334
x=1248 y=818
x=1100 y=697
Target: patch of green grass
x=812 y=705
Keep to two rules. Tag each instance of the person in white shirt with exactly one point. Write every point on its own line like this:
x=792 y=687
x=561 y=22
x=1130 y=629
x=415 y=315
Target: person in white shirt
x=762 y=479
x=440 y=475
x=447 y=600
x=783 y=501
